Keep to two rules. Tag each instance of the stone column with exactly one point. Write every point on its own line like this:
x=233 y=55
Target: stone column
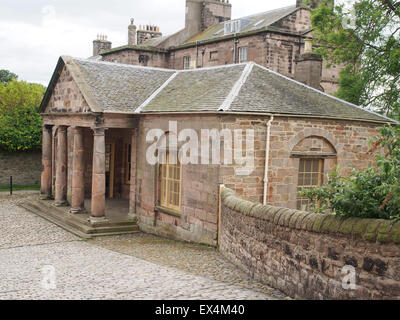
x=61 y=167
x=47 y=149
x=99 y=177
x=78 y=173
x=132 y=193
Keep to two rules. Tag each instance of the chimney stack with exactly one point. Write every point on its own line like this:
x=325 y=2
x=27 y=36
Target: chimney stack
x=101 y=44
x=203 y=14
x=132 y=33
x=147 y=32
x=309 y=67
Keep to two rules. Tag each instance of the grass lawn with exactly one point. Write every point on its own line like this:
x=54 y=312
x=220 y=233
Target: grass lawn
x=21 y=188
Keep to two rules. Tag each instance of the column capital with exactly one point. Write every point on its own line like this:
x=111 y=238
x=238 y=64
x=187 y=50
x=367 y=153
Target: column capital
x=48 y=127
x=99 y=131
x=62 y=128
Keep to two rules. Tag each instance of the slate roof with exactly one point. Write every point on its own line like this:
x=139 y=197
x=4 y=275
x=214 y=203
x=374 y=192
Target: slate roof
x=246 y=87
x=203 y=90
x=256 y=22
x=267 y=91
x=118 y=87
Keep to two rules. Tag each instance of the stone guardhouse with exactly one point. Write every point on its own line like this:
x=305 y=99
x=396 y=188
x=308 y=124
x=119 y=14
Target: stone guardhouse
x=96 y=122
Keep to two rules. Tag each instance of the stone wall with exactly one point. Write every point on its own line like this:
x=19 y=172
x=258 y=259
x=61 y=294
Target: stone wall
x=196 y=221
x=303 y=254
x=25 y=167
x=66 y=95
x=139 y=58
x=338 y=142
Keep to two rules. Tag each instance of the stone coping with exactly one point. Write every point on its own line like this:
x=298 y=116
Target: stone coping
x=372 y=230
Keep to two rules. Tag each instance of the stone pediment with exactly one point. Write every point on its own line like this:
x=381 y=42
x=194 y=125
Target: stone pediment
x=68 y=91
x=66 y=96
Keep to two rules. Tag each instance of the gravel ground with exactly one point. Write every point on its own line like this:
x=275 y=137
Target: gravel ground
x=134 y=267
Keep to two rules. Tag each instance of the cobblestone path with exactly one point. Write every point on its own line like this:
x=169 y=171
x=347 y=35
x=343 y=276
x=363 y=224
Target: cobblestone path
x=120 y=267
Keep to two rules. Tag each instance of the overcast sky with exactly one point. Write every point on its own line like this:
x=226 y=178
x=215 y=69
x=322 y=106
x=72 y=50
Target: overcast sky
x=34 y=33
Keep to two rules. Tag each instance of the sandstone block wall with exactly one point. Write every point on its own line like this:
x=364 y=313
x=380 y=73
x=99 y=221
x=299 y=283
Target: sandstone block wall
x=346 y=141
x=67 y=96
x=274 y=50
x=25 y=167
x=303 y=254
x=138 y=58
x=196 y=221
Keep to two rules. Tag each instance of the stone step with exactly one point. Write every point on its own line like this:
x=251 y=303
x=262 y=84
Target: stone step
x=59 y=223
x=76 y=226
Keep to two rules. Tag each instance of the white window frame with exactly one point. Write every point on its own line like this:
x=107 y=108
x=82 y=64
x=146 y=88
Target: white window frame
x=232 y=26
x=186 y=62
x=242 y=54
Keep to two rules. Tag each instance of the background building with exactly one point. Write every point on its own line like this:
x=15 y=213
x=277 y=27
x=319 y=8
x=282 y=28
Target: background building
x=275 y=39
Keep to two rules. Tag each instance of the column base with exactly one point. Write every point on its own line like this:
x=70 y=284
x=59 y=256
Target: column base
x=133 y=217
x=77 y=211
x=61 y=203
x=98 y=221
x=46 y=197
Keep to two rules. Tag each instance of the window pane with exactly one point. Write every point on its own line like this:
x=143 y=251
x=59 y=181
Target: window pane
x=310 y=175
x=170 y=184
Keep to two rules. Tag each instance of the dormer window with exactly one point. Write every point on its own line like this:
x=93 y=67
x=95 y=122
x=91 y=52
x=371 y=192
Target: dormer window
x=232 y=26
x=235 y=26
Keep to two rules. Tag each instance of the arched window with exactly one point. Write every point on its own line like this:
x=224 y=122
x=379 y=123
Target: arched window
x=317 y=157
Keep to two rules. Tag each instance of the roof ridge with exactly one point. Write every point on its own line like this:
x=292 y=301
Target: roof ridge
x=156 y=93
x=226 y=105
x=120 y=64
x=155 y=68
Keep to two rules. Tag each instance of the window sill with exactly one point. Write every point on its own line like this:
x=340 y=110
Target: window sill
x=171 y=212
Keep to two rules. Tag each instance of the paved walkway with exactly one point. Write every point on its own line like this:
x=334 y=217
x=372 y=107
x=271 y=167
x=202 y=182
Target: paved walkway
x=41 y=261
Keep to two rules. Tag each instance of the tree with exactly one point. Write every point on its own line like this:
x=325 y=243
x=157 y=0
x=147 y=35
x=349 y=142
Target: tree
x=7 y=76
x=367 y=41
x=20 y=121
x=373 y=193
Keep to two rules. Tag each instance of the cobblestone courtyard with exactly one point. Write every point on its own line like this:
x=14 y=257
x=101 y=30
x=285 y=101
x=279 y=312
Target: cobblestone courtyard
x=137 y=266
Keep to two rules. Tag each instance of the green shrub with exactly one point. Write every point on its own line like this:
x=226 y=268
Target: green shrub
x=20 y=121
x=372 y=193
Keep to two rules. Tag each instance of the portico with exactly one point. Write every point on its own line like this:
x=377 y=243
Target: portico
x=80 y=160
